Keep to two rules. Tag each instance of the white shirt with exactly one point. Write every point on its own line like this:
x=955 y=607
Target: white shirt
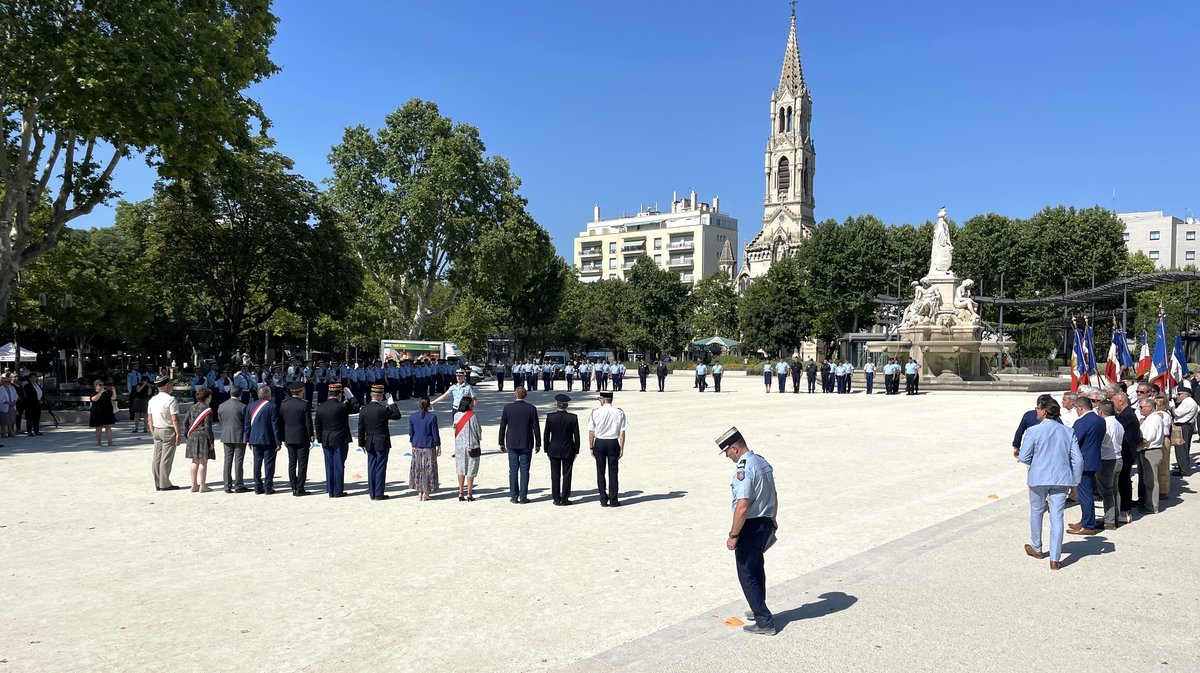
x=162 y=409
x=1185 y=412
x=1114 y=434
x=1152 y=431
x=608 y=422
x=1069 y=416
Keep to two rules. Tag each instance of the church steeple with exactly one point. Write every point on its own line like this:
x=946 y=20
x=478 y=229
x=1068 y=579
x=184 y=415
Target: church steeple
x=791 y=77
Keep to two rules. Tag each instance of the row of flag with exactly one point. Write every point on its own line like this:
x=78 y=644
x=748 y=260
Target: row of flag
x=1156 y=368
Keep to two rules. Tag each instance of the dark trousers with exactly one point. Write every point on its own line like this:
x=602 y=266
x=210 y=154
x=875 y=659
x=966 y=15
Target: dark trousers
x=618 y=381
x=587 y=382
x=916 y=384
x=795 y=383
x=335 y=469
x=297 y=465
x=570 y=382
x=1087 y=502
x=264 y=468
x=518 y=472
x=812 y=384
x=235 y=457
x=752 y=574
x=607 y=458
x=500 y=381
x=642 y=380
x=531 y=380
x=1125 y=478
x=782 y=383
x=717 y=382
x=377 y=460
x=662 y=383
x=548 y=381
x=1183 y=455
x=33 y=417
x=560 y=477
x=870 y=382
x=824 y=382
x=910 y=384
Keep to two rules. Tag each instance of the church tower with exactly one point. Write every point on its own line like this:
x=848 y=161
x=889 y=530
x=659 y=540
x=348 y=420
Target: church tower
x=788 y=168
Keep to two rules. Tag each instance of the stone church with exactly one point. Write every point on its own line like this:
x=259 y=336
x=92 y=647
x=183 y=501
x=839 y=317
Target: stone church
x=788 y=168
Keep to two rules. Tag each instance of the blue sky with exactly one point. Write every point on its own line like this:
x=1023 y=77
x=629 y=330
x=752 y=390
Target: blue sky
x=984 y=107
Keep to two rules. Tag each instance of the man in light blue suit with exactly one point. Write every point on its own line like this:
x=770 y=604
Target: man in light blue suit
x=1055 y=465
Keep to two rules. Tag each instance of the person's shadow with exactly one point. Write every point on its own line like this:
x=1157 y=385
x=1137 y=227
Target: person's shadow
x=1092 y=545
x=831 y=602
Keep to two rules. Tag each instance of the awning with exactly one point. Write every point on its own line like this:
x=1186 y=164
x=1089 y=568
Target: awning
x=8 y=353
x=715 y=341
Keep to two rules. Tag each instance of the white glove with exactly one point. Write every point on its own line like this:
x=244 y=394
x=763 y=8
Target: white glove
x=389 y=399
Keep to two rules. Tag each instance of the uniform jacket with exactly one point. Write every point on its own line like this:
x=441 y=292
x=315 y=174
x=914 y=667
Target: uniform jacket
x=1089 y=430
x=295 y=421
x=643 y=372
x=562 y=434
x=232 y=414
x=661 y=370
x=811 y=370
x=373 y=432
x=333 y=422
x=262 y=429
x=519 y=428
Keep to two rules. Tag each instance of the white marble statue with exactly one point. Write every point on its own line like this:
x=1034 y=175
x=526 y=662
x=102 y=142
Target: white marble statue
x=962 y=297
x=924 y=307
x=943 y=251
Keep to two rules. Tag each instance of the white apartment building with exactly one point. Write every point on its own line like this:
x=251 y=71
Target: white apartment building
x=687 y=241
x=1166 y=239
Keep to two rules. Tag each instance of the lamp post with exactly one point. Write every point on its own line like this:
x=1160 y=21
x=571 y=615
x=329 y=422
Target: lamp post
x=56 y=315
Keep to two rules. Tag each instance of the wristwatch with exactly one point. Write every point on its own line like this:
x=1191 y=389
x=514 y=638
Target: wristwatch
x=733 y=535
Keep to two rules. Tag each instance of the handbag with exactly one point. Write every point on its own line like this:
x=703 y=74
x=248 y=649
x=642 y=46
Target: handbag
x=475 y=452
x=1176 y=435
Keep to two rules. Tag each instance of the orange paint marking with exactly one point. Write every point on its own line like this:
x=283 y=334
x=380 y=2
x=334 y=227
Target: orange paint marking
x=733 y=622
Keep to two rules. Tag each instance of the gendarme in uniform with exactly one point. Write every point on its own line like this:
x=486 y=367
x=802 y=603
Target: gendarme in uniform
x=752 y=531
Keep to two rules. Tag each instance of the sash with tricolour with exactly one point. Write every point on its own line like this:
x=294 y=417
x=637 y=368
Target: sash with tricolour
x=199 y=419
x=462 y=422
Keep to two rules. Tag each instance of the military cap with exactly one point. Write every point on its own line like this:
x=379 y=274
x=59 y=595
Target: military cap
x=378 y=388
x=162 y=381
x=606 y=396
x=335 y=387
x=563 y=399
x=296 y=385
x=728 y=439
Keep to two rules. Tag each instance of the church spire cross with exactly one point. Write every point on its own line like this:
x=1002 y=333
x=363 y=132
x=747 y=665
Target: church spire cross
x=792 y=76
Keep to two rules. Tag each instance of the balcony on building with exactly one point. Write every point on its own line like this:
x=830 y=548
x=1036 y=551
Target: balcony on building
x=634 y=246
x=591 y=251
x=589 y=269
x=681 y=244
x=680 y=260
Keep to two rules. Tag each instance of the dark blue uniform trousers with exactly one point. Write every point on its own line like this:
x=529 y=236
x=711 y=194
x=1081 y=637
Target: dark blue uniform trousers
x=1087 y=503
x=782 y=382
x=335 y=469
x=751 y=543
x=377 y=460
x=264 y=467
x=518 y=472
x=870 y=382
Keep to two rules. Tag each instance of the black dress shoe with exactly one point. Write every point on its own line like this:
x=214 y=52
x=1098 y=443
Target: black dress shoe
x=339 y=495
x=614 y=503
x=229 y=490
x=604 y=503
x=270 y=491
x=299 y=492
x=558 y=503
x=513 y=500
x=158 y=488
x=172 y=487
x=258 y=491
x=524 y=501
x=240 y=489
x=382 y=497
x=567 y=502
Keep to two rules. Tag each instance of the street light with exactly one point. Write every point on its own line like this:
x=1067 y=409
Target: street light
x=56 y=315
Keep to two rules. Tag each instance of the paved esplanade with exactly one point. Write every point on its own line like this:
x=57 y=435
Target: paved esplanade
x=901 y=525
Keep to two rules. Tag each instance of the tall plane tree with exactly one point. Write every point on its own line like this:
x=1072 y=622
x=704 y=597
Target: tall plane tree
x=83 y=85
x=418 y=195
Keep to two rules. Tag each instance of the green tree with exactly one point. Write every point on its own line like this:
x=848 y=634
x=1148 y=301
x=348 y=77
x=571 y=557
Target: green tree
x=246 y=241
x=714 y=308
x=604 y=311
x=417 y=197
x=84 y=84
x=657 y=309
x=844 y=272
x=772 y=313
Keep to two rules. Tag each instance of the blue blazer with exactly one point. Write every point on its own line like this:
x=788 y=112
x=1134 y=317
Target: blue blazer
x=261 y=429
x=423 y=432
x=1052 y=454
x=1028 y=420
x=1089 y=430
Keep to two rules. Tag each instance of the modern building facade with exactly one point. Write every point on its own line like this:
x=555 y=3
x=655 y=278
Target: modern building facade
x=789 y=167
x=1168 y=240
x=688 y=241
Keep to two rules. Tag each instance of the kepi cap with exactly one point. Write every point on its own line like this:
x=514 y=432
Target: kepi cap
x=377 y=388
x=296 y=385
x=729 y=438
x=162 y=381
x=335 y=387
x=606 y=395
x=563 y=399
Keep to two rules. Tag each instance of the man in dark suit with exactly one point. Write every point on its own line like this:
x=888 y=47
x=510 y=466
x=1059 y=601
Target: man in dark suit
x=261 y=429
x=1089 y=431
x=296 y=430
x=797 y=371
x=562 y=445
x=825 y=382
x=520 y=438
x=1133 y=437
x=333 y=431
x=34 y=399
x=643 y=374
x=661 y=372
x=375 y=438
x=810 y=374
x=232 y=414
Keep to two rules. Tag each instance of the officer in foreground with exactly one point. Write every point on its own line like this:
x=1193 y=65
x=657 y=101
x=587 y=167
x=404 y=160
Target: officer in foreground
x=753 y=530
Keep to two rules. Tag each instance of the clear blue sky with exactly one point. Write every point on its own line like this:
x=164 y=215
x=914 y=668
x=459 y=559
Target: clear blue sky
x=1000 y=106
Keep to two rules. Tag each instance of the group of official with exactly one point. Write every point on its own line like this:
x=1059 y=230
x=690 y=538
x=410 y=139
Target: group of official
x=21 y=398
x=1091 y=441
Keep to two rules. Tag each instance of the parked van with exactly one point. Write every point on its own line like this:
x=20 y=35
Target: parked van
x=601 y=356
